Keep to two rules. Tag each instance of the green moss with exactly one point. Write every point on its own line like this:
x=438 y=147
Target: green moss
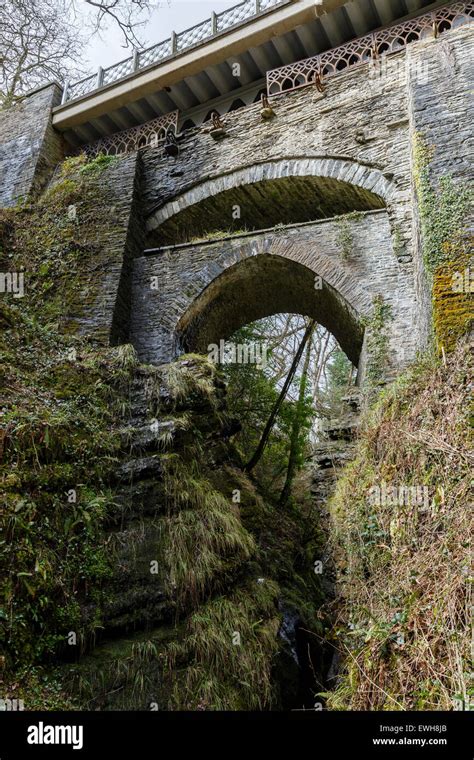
x=443 y=211
x=345 y=238
x=98 y=164
x=452 y=297
x=55 y=242
x=443 y=215
x=224 y=661
x=377 y=343
x=58 y=437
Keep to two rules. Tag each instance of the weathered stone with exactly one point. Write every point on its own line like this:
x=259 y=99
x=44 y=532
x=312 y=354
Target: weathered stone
x=29 y=146
x=319 y=156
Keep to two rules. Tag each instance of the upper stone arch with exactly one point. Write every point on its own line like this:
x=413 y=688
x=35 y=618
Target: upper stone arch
x=342 y=183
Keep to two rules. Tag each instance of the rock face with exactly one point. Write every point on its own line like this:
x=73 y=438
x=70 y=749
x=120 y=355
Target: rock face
x=191 y=564
x=329 y=456
x=139 y=594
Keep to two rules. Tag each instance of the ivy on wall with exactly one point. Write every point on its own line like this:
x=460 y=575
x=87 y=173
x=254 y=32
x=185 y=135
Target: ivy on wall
x=345 y=238
x=377 y=342
x=445 y=246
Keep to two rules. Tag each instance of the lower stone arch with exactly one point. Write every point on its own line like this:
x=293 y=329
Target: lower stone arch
x=262 y=285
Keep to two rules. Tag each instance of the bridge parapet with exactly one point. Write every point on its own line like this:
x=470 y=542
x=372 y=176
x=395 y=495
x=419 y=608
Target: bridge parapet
x=174 y=45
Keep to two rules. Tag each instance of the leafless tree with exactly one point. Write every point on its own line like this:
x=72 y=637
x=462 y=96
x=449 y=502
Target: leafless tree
x=36 y=45
x=128 y=15
x=42 y=40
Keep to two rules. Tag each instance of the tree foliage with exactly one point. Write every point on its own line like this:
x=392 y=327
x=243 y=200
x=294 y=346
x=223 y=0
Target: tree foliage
x=315 y=390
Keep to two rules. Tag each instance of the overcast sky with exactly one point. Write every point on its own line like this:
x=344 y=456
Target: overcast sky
x=168 y=15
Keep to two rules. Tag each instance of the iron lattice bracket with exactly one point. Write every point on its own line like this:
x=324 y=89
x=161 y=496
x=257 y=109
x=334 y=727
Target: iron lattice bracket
x=311 y=71
x=148 y=135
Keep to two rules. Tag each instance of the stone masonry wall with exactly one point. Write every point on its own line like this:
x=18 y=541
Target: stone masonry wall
x=369 y=269
x=29 y=146
x=359 y=122
x=441 y=108
x=102 y=309
x=359 y=131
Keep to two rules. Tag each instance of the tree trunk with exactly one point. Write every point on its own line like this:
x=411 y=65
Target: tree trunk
x=271 y=421
x=297 y=422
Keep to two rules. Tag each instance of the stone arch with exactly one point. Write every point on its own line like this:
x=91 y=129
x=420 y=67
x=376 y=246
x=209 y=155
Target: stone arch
x=370 y=188
x=274 y=276
x=203 y=284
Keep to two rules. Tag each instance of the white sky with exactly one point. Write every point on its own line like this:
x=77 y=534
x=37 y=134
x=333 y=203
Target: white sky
x=168 y=16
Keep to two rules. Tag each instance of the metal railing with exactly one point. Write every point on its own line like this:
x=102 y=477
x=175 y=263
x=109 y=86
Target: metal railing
x=151 y=134
x=368 y=48
x=176 y=44
x=304 y=73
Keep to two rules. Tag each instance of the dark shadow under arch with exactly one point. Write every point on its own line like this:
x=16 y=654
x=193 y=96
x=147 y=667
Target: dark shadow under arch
x=261 y=204
x=260 y=286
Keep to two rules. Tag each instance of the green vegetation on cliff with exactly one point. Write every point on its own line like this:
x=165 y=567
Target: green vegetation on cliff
x=225 y=564
x=82 y=525
x=403 y=556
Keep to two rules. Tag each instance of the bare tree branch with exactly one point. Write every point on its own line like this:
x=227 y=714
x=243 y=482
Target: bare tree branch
x=44 y=40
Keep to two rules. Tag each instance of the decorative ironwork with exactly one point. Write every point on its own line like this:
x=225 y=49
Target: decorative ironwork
x=151 y=134
x=364 y=49
x=117 y=71
x=199 y=33
x=156 y=53
x=236 y=14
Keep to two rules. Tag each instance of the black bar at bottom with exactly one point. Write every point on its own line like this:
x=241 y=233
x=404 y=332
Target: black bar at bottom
x=142 y=735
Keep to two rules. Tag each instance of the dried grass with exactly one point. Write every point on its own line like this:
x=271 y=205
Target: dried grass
x=403 y=608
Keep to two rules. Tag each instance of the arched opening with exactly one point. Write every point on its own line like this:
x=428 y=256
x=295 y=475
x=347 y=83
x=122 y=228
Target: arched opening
x=250 y=290
x=261 y=286
x=263 y=197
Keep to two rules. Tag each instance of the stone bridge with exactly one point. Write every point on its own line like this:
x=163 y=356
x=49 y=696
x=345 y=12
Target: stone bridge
x=191 y=295
x=311 y=211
